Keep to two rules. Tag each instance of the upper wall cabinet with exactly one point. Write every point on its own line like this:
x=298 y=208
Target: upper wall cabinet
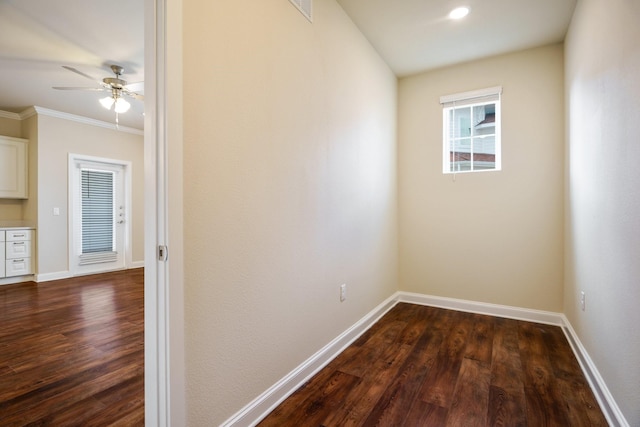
x=13 y=168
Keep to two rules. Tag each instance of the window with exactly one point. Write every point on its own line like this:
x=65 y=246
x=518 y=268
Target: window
x=471 y=131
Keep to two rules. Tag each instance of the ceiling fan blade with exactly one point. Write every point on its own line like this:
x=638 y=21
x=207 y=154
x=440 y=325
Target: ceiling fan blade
x=133 y=94
x=78 y=88
x=73 y=70
x=135 y=86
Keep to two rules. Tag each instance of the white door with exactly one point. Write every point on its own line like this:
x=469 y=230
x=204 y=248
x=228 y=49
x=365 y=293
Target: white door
x=98 y=224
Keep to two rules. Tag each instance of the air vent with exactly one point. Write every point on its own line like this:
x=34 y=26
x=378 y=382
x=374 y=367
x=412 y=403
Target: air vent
x=304 y=6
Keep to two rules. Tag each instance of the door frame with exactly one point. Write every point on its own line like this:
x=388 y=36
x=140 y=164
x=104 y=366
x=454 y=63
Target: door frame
x=74 y=159
x=163 y=288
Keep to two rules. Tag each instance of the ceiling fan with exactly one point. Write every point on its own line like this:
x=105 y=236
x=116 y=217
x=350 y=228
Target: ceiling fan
x=117 y=86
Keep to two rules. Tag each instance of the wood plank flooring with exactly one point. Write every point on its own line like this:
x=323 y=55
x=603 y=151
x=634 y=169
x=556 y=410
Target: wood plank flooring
x=424 y=366
x=72 y=351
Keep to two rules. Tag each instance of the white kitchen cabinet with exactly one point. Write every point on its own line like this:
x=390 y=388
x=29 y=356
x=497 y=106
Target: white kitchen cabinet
x=16 y=252
x=18 y=267
x=13 y=168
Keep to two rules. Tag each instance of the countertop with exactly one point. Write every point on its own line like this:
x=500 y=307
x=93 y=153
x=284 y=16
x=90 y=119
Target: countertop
x=8 y=225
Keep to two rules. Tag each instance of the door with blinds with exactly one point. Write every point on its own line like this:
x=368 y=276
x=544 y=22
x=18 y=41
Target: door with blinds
x=99 y=216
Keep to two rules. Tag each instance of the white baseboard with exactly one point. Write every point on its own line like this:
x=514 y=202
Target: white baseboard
x=607 y=403
x=48 y=277
x=57 y=275
x=261 y=406
x=17 y=279
x=509 y=312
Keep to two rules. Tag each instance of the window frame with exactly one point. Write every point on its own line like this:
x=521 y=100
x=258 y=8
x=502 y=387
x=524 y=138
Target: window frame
x=471 y=99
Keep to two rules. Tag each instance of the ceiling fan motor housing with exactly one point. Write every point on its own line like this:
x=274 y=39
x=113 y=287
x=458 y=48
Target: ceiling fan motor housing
x=117 y=70
x=115 y=83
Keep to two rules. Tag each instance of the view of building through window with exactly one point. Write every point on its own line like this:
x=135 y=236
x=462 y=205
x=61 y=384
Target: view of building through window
x=472 y=135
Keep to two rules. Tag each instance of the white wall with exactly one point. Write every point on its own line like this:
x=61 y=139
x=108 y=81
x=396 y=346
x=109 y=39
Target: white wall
x=56 y=139
x=603 y=181
x=289 y=191
x=493 y=237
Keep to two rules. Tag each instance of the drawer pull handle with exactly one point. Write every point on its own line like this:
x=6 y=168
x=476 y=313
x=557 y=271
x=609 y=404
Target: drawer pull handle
x=18 y=243
x=18 y=260
x=18 y=235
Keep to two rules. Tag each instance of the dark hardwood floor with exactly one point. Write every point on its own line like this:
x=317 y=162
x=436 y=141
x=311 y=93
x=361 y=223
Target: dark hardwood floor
x=72 y=351
x=424 y=366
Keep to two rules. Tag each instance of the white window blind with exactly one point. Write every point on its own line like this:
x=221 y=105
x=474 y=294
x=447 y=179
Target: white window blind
x=98 y=234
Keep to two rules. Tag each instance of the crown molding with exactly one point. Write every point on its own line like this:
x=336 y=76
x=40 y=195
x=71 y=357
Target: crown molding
x=10 y=115
x=32 y=111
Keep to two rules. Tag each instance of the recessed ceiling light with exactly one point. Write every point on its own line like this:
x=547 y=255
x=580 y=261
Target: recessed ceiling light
x=459 y=12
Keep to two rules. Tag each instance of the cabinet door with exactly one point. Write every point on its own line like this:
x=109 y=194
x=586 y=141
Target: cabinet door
x=13 y=168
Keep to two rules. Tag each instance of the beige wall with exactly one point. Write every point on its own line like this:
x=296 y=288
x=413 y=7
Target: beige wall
x=30 y=209
x=10 y=126
x=56 y=139
x=289 y=191
x=603 y=204
x=494 y=237
x=11 y=209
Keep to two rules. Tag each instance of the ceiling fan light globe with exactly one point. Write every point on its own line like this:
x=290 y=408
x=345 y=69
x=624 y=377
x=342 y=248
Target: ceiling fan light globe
x=107 y=102
x=122 y=106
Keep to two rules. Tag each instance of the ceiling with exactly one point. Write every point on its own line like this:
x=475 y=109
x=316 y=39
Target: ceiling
x=416 y=35
x=38 y=37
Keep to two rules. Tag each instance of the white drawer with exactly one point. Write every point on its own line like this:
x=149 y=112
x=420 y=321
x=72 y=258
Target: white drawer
x=14 y=235
x=18 y=267
x=1 y=235
x=18 y=249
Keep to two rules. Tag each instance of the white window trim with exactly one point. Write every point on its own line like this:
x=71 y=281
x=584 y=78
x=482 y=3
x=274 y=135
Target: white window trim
x=463 y=99
x=471 y=97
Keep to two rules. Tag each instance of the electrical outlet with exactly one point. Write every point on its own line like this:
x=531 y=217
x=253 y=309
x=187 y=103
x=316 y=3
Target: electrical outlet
x=582 y=300
x=343 y=292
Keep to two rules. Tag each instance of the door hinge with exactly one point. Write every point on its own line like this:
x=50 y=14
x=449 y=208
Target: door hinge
x=163 y=252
